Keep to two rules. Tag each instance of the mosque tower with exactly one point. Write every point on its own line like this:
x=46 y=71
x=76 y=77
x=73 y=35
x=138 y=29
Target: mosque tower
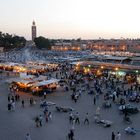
x=33 y=29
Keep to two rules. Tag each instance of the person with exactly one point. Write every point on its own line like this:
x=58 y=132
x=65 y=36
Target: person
x=77 y=118
x=50 y=116
x=45 y=110
x=113 y=99
x=80 y=92
x=31 y=101
x=22 y=102
x=28 y=137
x=70 y=118
x=86 y=119
x=13 y=99
x=34 y=101
x=94 y=100
x=44 y=95
x=67 y=88
x=9 y=98
x=46 y=117
x=9 y=106
x=16 y=98
x=13 y=106
x=98 y=111
x=37 y=121
x=113 y=136
x=75 y=98
x=40 y=120
x=71 y=135
x=118 y=136
x=125 y=113
x=73 y=125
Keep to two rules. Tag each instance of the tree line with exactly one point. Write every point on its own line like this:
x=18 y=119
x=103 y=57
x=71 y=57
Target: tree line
x=43 y=43
x=9 y=41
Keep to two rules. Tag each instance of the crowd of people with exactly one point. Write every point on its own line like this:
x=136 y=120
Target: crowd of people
x=78 y=84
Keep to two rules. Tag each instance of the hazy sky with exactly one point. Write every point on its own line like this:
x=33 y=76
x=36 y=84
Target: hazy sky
x=72 y=18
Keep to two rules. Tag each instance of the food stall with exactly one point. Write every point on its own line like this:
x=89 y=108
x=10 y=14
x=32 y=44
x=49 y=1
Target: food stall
x=47 y=86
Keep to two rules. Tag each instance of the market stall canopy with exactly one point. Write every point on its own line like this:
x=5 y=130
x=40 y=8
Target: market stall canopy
x=29 y=78
x=41 y=77
x=38 y=62
x=13 y=79
x=46 y=82
x=109 y=57
x=25 y=82
x=76 y=63
x=31 y=67
x=19 y=79
x=13 y=64
x=109 y=65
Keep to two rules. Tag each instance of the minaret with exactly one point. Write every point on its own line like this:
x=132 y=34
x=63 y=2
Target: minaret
x=33 y=31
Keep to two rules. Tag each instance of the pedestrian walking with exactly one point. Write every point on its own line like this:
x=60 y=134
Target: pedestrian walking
x=71 y=118
x=71 y=135
x=31 y=101
x=94 y=100
x=73 y=125
x=22 y=102
x=44 y=95
x=75 y=98
x=13 y=106
x=9 y=106
x=77 y=118
x=46 y=117
x=28 y=137
x=118 y=136
x=37 y=121
x=86 y=119
x=40 y=120
x=16 y=98
x=34 y=101
x=113 y=99
x=50 y=116
x=13 y=99
x=9 y=98
x=113 y=136
x=45 y=111
x=98 y=111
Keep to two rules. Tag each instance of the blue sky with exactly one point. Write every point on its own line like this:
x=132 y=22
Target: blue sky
x=72 y=18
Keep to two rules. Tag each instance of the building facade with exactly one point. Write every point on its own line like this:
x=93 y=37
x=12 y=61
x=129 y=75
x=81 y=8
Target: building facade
x=115 y=45
x=112 y=45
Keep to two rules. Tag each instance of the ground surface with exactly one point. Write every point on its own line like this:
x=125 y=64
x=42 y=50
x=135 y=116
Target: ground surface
x=15 y=125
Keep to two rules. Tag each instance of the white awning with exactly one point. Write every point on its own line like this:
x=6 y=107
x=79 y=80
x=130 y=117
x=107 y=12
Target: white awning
x=46 y=82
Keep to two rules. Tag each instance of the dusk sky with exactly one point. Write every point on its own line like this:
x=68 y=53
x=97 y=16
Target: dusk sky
x=88 y=19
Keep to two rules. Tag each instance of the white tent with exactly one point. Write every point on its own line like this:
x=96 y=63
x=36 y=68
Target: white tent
x=46 y=82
